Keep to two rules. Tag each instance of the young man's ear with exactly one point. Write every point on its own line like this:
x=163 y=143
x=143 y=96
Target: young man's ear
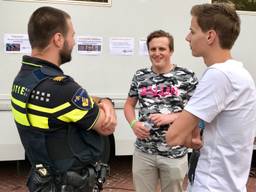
x=211 y=36
x=58 y=40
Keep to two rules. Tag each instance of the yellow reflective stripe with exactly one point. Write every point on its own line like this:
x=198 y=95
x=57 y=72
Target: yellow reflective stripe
x=41 y=109
x=32 y=64
x=49 y=110
x=20 y=118
x=73 y=116
x=38 y=121
x=18 y=102
x=35 y=120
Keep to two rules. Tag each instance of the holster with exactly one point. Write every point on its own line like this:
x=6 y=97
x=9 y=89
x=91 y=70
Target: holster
x=79 y=182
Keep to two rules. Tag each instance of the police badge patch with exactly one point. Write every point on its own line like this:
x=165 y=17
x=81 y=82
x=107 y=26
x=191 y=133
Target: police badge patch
x=82 y=100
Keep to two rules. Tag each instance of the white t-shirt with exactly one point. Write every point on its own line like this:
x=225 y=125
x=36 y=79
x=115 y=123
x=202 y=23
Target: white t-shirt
x=225 y=99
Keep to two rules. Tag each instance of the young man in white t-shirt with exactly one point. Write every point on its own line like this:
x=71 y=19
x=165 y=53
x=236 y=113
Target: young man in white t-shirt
x=225 y=99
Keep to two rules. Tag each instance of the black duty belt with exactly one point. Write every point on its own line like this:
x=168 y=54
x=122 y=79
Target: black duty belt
x=89 y=179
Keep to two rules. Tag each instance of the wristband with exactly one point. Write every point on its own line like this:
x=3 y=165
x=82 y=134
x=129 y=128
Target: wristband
x=132 y=123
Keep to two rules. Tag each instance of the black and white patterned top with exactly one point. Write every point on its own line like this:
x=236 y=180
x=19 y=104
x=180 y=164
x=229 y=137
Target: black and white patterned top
x=161 y=93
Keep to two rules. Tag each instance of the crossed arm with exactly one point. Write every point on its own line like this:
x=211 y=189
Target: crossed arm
x=107 y=120
x=184 y=131
x=138 y=127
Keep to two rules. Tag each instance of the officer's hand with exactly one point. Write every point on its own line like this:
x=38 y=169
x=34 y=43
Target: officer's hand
x=110 y=120
x=140 y=130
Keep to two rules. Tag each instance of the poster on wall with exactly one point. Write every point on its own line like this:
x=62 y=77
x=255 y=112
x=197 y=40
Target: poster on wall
x=89 y=45
x=16 y=43
x=79 y=2
x=121 y=45
x=143 y=49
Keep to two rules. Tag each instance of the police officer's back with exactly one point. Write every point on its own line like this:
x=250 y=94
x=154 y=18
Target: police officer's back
x=59 y=123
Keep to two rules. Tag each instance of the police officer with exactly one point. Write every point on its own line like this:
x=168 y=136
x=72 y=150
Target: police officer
x=59 y=123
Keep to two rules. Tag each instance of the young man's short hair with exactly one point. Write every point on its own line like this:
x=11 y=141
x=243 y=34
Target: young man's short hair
x=161 y=33
x=222 y=18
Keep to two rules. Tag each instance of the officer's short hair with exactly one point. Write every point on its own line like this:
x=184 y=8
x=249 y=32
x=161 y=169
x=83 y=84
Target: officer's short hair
x=161 y=33
x=44 y=23
x=222 y=18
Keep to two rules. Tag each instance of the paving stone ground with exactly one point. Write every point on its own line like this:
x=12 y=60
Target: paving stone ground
x=120 y=179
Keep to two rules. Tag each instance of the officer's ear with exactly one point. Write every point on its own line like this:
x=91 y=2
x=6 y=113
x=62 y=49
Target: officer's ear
x=58 y=40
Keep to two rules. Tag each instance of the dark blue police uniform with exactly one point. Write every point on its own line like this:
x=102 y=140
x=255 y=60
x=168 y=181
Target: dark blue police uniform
x=54 y=116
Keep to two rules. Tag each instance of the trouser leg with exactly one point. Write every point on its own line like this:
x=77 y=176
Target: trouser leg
x=172 y=173
x=145 y=172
